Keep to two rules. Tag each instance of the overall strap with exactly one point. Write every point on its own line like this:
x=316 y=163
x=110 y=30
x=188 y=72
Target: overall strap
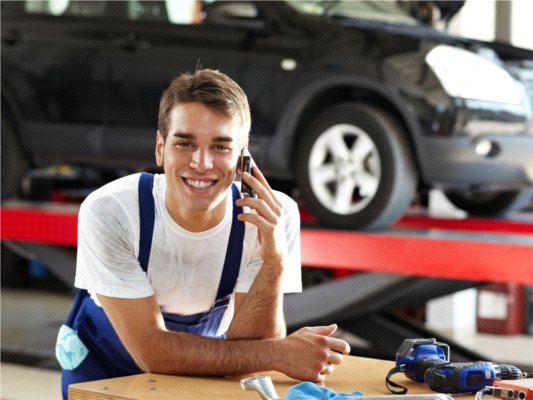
x=232 y=263
x=78 y=300
x=146 y=218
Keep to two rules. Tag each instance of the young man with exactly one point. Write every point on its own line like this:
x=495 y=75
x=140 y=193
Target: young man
x=178 y=273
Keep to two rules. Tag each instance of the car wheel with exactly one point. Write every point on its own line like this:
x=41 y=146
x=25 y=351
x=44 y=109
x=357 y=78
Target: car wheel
x=490 y=203
x=14 y=163
x=354 y=167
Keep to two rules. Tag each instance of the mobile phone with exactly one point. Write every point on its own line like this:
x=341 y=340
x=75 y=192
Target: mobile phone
x=246 y=166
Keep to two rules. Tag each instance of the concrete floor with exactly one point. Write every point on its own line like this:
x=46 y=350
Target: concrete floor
x=30 y=322
x=31 y=318
x=20 y=382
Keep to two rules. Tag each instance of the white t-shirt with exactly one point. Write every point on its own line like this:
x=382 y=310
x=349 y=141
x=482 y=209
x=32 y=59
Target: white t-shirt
x=184 y=268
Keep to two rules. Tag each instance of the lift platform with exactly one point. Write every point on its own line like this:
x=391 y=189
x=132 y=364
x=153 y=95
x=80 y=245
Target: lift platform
x=474 y=249
x=417 y=259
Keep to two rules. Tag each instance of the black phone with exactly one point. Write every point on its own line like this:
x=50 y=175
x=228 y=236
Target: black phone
x=246 y=166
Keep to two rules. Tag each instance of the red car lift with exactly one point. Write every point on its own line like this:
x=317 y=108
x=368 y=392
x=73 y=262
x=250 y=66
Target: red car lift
x=469 y=249
x=418 y=259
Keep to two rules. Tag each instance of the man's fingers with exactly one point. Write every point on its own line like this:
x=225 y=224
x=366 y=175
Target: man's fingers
x=325 y=330
x=261 y=178
x=335 y=358
x=339 y=345
x=260 y=206
x=328 y=369
x=256 y=172
x=335 y=344
x=263 y=192
x=256 y=219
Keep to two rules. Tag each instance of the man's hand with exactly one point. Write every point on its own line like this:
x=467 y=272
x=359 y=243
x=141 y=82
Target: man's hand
x=310 y=354
x=267 y=217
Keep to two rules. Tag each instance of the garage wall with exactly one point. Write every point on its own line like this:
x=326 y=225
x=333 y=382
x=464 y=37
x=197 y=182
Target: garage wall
x=521 y=27
x=506 y=20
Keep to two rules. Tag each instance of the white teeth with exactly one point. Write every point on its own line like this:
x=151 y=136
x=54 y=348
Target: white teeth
x=199 y=184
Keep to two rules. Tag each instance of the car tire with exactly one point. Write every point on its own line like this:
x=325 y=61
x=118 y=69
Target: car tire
x=14 y=162
x=490 y=203
x=354 y=167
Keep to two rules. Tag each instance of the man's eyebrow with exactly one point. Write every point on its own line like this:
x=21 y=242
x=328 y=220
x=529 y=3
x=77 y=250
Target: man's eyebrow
x=222 y=139
x=183 y=135
x=190 y=136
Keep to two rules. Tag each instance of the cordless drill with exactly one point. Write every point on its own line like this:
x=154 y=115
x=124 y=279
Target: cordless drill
x=426 y=360
x=468 y=377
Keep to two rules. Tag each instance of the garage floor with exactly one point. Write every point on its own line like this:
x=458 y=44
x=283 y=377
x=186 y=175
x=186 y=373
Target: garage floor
x=31 y=319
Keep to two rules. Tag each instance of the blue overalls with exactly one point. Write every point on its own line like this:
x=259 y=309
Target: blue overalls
x=106 y=356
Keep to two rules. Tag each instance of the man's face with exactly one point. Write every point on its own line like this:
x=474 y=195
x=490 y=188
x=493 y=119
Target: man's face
x=199 y=156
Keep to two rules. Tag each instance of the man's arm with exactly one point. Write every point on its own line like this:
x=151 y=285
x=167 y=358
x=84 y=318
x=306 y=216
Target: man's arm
x=308 y=354
x=259 y=313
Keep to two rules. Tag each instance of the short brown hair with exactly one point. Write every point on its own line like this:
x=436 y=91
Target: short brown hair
x=211 y=88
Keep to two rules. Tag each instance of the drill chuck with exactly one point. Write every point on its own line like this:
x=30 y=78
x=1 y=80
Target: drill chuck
x=506 y=372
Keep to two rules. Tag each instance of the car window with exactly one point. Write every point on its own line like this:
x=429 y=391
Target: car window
x=236 y=14
x=168 y=11
x=376 y=10
x=65 y=7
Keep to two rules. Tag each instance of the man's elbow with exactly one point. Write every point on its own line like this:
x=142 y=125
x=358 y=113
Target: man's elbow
x=154 y=365
x=149 y=358
x=146 y=362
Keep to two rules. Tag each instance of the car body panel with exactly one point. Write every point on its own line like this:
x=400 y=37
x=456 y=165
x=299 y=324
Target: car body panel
x=86 y=90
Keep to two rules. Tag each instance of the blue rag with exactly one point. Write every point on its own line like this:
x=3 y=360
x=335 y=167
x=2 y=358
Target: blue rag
x=312 y=391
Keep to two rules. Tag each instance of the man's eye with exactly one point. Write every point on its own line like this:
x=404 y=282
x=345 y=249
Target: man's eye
x=221 y=147
x=184 y=144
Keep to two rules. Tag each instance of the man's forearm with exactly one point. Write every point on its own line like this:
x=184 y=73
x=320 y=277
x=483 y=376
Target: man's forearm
x=187 y=354
x=261 y=313
x=308 y=354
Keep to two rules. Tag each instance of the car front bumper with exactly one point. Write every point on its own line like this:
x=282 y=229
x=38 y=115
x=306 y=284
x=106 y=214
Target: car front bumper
x=452 y=162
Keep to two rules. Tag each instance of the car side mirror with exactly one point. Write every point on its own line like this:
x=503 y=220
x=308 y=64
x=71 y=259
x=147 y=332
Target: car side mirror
x=235 y=15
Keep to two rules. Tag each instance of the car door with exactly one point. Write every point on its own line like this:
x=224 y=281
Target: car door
x=158 y=40
x=54 y=69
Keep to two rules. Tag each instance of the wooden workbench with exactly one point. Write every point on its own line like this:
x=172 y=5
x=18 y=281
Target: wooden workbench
x=356 y=373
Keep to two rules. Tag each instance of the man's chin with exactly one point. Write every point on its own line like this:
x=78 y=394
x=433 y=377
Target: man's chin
x=204 y=202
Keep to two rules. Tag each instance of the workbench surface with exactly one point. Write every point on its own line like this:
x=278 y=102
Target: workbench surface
x=356 y=373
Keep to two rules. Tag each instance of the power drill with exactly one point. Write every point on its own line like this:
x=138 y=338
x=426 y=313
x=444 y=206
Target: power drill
x=468 y=377
x=426 y=360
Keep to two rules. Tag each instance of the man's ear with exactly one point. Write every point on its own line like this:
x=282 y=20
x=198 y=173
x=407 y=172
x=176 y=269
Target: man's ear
x=159 y=149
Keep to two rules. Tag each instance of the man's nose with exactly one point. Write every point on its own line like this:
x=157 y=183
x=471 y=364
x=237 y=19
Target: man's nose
x=202 y=160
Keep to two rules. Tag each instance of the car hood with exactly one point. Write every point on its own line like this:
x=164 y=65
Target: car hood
x=505 y=51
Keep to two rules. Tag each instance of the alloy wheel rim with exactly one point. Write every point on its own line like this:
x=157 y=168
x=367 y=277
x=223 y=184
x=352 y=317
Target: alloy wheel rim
x=344 y=169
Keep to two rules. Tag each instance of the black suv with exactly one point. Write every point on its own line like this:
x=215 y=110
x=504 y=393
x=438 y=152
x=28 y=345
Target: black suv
x=355 y=103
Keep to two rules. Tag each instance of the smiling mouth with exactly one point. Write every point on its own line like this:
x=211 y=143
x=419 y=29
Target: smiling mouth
x=199 y=184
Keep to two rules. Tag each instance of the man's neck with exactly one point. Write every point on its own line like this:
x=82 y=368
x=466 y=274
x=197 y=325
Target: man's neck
x=198 y=221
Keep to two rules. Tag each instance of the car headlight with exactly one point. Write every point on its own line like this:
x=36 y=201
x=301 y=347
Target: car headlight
x=467 y=75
